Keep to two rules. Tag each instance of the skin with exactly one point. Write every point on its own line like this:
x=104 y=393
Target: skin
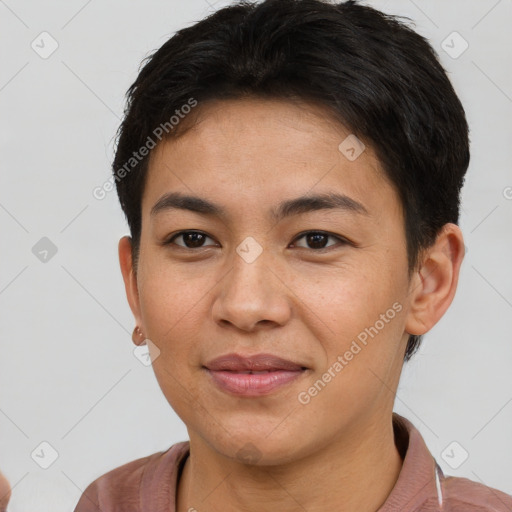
x=337 y=452
x=5 y=492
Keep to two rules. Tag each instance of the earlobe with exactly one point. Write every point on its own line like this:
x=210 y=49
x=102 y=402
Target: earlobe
x=129 y=276
x=435 y=282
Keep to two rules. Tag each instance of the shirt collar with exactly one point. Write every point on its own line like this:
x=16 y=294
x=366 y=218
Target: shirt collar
x=420 y=477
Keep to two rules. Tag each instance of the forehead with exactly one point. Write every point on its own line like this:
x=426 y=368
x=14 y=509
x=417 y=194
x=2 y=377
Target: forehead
x=258 y=151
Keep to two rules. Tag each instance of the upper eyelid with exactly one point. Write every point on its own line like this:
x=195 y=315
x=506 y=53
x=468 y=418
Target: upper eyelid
x=179 y=233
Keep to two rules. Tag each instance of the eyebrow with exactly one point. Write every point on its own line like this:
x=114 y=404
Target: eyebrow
x=288 y=208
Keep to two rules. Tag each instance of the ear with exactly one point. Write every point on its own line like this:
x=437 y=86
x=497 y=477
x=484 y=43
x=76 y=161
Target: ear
x=129 y=277
x=433 y=285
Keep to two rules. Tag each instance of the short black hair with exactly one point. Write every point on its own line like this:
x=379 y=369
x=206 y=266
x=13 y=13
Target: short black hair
x=377 y=76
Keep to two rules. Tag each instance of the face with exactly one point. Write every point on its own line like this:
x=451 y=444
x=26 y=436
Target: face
x=326 y=288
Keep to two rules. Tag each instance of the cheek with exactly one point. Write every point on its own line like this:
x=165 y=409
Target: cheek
x=362 y=312
x=359 y=356
x=173 y=312
x=350 y=298
x=171 y=300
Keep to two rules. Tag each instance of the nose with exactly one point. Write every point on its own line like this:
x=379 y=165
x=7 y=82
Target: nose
x=252 y=295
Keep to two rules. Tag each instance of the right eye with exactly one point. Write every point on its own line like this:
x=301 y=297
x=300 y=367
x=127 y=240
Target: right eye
x=190 y=239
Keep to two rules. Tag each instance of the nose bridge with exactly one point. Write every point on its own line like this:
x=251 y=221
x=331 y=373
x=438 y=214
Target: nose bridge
x=250 y=266
x=250 y=277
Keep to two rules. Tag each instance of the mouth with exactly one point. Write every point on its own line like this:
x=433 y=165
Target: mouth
x=253 y=376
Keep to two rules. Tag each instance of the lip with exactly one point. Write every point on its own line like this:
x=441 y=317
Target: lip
x=230 y=373
x=258 y=362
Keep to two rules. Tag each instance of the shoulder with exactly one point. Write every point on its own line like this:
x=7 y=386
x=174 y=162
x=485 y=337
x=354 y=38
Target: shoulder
x=122 y=488
x=464 y=495
x=422 y=485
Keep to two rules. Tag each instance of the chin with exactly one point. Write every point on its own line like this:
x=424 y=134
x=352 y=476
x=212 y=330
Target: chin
x=260 y=450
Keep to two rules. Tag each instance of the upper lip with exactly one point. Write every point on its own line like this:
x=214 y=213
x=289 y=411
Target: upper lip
x=258 y=362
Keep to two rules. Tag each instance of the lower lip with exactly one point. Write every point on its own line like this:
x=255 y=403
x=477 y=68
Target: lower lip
x=247 y=384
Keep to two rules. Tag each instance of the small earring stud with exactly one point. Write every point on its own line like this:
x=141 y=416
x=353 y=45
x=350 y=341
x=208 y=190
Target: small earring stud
x=138 y=337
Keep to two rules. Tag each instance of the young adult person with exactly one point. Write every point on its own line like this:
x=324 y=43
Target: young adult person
x=290 y=171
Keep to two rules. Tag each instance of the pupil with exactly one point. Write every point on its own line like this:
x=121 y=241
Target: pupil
x=195 y=238
x=315 y=240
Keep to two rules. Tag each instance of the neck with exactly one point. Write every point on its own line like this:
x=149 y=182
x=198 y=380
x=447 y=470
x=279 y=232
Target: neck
x=356 y=472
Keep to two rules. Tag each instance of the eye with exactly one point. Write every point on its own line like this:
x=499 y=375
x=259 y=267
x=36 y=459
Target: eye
x=190 y=239
x=318 y=240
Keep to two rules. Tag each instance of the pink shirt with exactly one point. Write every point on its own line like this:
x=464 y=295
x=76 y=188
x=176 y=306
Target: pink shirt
x=149 y=484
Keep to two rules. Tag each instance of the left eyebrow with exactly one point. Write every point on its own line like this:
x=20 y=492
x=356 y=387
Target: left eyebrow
x=326 y=201
x=288 y=208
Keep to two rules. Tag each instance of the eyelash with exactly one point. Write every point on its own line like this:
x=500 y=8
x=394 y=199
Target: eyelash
x=342 y=241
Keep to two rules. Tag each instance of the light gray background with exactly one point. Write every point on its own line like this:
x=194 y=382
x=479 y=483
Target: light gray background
x=68 y=375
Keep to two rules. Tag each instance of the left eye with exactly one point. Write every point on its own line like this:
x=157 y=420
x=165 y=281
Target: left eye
x=318 y=239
